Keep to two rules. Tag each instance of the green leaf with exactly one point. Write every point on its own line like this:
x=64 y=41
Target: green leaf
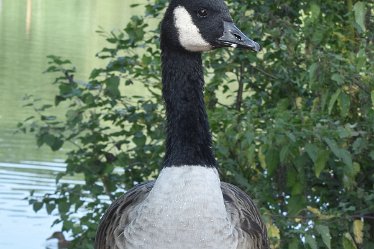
x=272 y=160
x=284 y=153
x=324 y=231
x=59 y=99
x=295 y=204
x=312 y=151
x=50 y=207
x=333 y=146
x=112 y=87
x=44 y=107
x=37 y=206
x=294 y=244
x=342 y=154
x=73 y=117
x=297 y=188
x=359 y=145
x=48 y=118
x=63 y=206
x=337 y=78
x=309 y=240
x=95 y=73
x=262 y=157
x=344 y=132
x=333 y=99
x=39 y=141
x=53 y=142
x=361 y=58
x=346 y=157
x=352 y=171
x=360 y=12
x=344 y=102
x=139 y=139
x=316 y=10
x=320 y=163
x=291 y=137
x=312 y=72
x=348 y=242
x=372 y=99
x=67 y=225
x=371 y=154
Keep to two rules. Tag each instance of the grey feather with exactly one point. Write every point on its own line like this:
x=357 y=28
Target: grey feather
x=108 y=235
x=245 y=217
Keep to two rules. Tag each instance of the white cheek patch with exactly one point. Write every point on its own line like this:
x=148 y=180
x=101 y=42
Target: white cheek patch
x=188 y=33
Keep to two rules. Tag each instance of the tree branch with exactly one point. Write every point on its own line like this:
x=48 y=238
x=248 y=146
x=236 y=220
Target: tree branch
x=239 y=95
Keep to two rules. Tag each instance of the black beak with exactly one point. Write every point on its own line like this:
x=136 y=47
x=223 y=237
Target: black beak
x=233 y=37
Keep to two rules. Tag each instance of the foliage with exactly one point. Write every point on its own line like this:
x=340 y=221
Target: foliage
x=293 y=125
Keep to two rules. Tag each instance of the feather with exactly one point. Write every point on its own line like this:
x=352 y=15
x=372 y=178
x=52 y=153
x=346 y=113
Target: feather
x=111 y=226
x=241 y=210
x=245 y=217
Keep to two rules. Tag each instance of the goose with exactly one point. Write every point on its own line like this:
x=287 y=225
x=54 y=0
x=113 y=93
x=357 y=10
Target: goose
x=187 y=206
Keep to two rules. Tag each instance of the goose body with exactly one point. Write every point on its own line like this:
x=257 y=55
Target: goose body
x=187 y=206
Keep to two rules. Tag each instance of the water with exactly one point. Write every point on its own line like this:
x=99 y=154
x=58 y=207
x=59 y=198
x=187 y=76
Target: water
x=29 y=31
x=20 y=227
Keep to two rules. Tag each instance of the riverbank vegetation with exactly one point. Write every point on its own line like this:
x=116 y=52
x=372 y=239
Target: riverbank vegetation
x=293 y=125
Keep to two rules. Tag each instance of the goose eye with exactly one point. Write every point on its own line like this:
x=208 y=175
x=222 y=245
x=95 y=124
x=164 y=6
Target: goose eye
x=202 y=13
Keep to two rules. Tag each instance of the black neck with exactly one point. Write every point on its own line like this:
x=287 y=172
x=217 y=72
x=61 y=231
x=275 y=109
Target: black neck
x=188 y=136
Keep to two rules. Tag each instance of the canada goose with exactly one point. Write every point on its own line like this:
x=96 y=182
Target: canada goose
x=187 y=207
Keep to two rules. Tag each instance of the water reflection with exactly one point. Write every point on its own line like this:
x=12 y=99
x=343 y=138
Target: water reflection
x=28 y=16
x=65 y=28
x=17 y=217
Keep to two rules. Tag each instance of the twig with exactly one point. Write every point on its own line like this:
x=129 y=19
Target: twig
x=239 y=96
x=264 y=72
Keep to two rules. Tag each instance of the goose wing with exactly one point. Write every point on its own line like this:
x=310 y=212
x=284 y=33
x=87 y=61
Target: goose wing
x=245 y=218
x=118 y=215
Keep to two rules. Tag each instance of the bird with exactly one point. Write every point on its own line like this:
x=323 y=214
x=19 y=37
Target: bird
x=187 y=206
x=57 y=241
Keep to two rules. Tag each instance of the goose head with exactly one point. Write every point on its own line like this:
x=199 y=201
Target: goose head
x=201 y=25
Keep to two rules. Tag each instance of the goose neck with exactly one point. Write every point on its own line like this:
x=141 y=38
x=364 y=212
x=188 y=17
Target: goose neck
x=189 y=139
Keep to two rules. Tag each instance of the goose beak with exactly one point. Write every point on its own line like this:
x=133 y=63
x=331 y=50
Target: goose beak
x=233 y=37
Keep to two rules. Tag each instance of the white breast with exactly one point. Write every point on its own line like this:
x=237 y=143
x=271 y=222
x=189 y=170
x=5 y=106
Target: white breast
x=184 y=210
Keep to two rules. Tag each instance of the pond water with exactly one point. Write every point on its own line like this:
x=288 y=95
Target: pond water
x=29 y=31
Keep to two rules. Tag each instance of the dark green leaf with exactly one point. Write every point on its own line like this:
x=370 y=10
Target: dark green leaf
x=333 y=99
x=311 y=241
x=50 y=207
x=112 y=87
x=360 y=11
x=324 y=231
x=37 y=206
x=342 y=154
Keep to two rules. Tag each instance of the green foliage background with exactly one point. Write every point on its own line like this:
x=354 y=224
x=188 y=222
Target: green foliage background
x=293 y=125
